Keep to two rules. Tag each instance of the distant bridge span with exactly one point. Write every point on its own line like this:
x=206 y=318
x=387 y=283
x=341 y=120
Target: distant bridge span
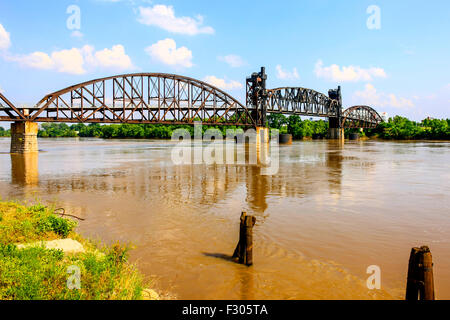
x=162 y=98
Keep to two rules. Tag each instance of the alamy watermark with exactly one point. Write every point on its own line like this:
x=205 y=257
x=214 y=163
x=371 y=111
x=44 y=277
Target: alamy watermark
x=253 y=147
x=374 y=19
x=74 y=279
x=374 y=280
x=73 y=22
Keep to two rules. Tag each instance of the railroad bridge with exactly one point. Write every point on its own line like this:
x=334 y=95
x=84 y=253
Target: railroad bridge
x=160 y=98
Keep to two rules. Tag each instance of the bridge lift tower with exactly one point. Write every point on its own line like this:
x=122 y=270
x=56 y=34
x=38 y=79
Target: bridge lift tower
x=335 y=130
x=256 y=96
x=257 y=101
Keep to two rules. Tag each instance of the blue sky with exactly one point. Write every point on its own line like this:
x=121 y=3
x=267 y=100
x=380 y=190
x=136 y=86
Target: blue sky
x=402 y=67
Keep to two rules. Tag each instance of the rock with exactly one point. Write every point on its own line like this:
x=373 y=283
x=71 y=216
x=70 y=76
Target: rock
x=149 y=294
x=66 y=245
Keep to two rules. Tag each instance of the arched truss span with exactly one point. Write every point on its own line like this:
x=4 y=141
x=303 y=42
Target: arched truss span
x=360 y=117
x=141 y=98
x=301 y=101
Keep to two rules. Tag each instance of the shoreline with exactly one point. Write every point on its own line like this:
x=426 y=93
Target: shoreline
x=42 y=257
x=365 y=138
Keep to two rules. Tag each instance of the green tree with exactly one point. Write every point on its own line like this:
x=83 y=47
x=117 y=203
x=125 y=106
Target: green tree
x=277 y=120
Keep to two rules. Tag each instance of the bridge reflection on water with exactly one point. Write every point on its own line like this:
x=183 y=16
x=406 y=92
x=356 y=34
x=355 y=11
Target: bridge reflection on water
x=25 y=169
x=182 y=184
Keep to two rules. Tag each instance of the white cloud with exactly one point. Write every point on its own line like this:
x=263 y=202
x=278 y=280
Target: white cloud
x=114 y=58
x=372 y=97
x=350 y=73
x=76 y=34
x=284 y=74
x=1 y=90
x=36 y=60
x=72 y=61
x=65 y=61
x=222 y=83
x=166 y=51
x=164 y=17
x=232 y=60
x=5 y=41
x=68 y=61
x=76 y=60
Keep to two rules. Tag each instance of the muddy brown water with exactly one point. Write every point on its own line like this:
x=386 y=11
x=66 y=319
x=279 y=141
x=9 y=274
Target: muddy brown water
x=330 y=212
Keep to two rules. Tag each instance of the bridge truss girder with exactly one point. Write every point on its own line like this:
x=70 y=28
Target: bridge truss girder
x=137 y=98
x=301 y=101
x=173 y=99
x=360 y=117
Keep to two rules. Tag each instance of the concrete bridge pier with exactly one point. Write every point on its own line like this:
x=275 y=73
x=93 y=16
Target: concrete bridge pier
x=24 y=137
x=334 y=130
x=336 y=133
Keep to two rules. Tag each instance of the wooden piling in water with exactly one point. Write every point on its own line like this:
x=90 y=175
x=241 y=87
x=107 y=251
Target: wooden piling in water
x=244 y=249
x=420 y=282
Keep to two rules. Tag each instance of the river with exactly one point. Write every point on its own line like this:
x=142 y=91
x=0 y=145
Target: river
x=330 y=212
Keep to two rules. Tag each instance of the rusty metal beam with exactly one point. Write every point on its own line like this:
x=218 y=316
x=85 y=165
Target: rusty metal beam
x=175 y=99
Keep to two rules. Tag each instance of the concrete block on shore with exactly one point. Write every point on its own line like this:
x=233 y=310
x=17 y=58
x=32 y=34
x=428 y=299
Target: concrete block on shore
x=66 y=245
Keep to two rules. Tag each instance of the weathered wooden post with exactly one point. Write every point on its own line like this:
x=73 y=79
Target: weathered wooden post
x=420 y=283
x=428 y=289
x=244 y=249
x=412 y=283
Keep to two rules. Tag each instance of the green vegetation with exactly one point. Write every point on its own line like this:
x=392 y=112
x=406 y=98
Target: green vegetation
x=36 y=272
x=297 y=127
x=19 y=224
x=396 y=128
x=136 y=131
x=401 y=128
x=4 y=133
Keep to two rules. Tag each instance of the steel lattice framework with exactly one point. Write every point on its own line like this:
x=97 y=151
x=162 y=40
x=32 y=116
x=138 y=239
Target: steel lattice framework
x=360 y=117
x=8 y=112
x=136 y=98
x=301 y=101
x=307 y=102
x=162 y=98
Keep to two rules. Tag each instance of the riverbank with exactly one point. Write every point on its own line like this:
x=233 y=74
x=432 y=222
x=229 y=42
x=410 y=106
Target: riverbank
x=396 y=128
x=43 y=258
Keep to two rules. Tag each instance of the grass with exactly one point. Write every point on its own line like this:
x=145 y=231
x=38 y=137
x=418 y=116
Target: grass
x=37 y=273
x=20 y=224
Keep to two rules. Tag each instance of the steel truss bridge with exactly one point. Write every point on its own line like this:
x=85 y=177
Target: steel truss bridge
x=161 y=98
